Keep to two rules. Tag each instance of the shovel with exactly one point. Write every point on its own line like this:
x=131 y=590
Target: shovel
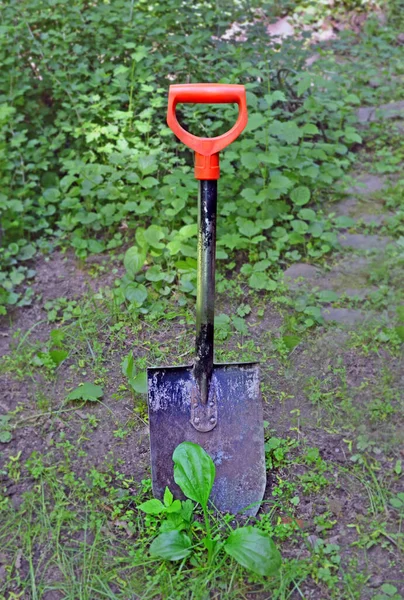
x=217 y=406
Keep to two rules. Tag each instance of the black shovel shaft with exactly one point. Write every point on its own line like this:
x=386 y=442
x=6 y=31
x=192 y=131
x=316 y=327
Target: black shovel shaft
x=205 y=299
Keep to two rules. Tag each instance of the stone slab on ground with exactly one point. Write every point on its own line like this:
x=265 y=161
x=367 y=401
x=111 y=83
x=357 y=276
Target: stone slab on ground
x=298 y=274
x=367 y=184
x=360 y=241
x=349 y=277
x=365 y=211
x=369 y=114
x=345 y=316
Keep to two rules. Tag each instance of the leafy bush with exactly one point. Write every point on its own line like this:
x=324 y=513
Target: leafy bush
x=87 y=160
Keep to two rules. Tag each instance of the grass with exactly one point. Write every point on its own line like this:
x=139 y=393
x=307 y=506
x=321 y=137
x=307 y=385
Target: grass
x=74 y=472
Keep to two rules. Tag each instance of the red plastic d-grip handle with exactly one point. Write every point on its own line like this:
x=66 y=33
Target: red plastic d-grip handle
x=207 y=149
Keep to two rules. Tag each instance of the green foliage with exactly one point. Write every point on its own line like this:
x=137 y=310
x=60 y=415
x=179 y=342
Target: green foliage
x=194 y=472
x=5 y=429
x=86 y=391
x=253 y=550
x=388 y=592
x=86 y=159
x=172 y=545
x=136 y=380
x=277 y=450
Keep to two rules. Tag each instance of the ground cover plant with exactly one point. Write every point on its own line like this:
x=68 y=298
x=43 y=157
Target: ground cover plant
x=98 y=276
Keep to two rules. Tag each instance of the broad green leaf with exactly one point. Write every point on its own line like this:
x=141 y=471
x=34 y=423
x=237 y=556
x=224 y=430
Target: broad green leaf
x=147 y=163
x=152 y=507
x=271 y=157
x=280 y=182
x=140 y=54
x=291 y=341
x=139 y=383
x=153 y=235
x=248 y=228
x=327 y=296
x=400 y=332
x=57 y=336
x=58 y=356
x=87 y=391
x=344 y=222
x=136 y=293
x=128 y=365
x=194 y=472
x=240 y=324
x=187 y=510
x=288 y=131
x=254 y=550
x=249 y=160
x=261 y=265
x=310 y=129
x=276 y=96
x=149 y=182
x=155 y=273
x=168 y=497
x=171 y=545
x=5 y=436
x=27 y=252
x=300 y=195
x=307 y=214
x=315 y=312
x=175 y=507
x=249 y=194
x=221 y=320
x=173 y=522
x=389 y=589
x=396 y=502
x=255 y=120
x=230 y=240
x=316 y=229
x=258 y=281
x=304 y=83
x=134 y=260
x=330 y=237
x=300 y=227
x=188 y=231
x=95 y=247
x=261 y=281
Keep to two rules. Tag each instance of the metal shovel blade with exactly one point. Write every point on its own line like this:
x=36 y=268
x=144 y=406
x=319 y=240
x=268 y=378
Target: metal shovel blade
x=236 y=444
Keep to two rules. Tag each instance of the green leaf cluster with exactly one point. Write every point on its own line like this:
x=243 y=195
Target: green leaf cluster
x=194 y=473
x=87 y=162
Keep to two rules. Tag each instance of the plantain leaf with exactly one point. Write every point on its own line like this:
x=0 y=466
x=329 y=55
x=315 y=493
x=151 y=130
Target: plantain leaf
x=194 y=472
x=152 y=507
x=171 y=545
x=254 y=550
x=87 y=391
x=134 y=260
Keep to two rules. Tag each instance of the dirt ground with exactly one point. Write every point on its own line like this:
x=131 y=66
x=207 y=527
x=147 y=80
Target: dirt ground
x=339 y=390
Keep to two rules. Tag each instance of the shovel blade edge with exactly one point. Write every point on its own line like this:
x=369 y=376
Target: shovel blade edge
x=236 y=444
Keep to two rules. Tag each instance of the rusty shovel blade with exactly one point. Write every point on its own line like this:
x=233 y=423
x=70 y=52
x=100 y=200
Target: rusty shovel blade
x=236 y=443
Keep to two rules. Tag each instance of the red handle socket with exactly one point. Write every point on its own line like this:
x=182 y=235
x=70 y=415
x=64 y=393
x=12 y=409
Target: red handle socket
x=207 y=149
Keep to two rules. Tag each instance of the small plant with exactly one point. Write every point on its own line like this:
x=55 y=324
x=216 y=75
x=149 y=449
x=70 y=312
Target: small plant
x=277 y=450
x=397 y=502
x=5 y=429
x=86 y=392
x=380 y=410
x=194 y=472
x=388 y=592
x=137 y=381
